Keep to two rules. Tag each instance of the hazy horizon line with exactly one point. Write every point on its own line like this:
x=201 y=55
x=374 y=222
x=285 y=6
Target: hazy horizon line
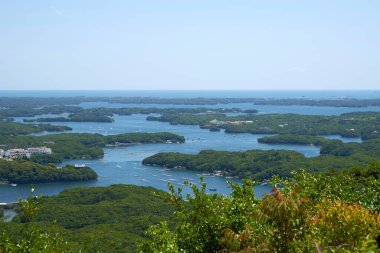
x=178 y=90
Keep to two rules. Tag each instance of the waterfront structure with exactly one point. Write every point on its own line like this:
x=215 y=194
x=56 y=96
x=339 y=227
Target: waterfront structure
x=16 y=152
x=236 y=122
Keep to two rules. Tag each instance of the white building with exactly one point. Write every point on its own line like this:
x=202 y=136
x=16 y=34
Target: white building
x=16 y=152
x=39 y=150
x=25 y=152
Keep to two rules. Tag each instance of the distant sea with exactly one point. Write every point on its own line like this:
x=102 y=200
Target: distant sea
x=317 y=94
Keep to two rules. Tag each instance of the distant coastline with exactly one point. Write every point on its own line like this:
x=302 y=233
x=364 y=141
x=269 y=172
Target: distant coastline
x=360 y=94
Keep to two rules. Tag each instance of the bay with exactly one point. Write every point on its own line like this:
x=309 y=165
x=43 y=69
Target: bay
x=123 y=165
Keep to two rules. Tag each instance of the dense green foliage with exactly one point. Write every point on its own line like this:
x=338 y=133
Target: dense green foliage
x=309 y=214
x=30 y=237
x=320 y=212
x=261 y=164
x=13 y=128
x=359 y=184
x=133 y=138
x=104 y=219
x=328 y=147
x=201 y=217
x=294 y=139
x=22 y=172
x=254 y=163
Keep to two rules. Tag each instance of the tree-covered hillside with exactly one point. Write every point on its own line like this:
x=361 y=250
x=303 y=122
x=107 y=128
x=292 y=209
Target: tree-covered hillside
x=101 y=219
x=27 y=172
x=308 y=213
x=322 y=212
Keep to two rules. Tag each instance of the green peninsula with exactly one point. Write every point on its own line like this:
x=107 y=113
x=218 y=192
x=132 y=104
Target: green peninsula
x=27 y=172
x=13 y=128
x=72 y=146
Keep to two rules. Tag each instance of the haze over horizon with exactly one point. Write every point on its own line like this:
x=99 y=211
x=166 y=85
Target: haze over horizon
x=192 y=45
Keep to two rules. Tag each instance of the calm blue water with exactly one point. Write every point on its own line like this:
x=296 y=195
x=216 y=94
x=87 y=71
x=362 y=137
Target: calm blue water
x=196 y=139
x=123 y=165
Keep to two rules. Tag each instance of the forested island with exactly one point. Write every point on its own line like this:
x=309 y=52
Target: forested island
x=263 y=164
x=297 y=140
x=27 y=172
x=12 y=128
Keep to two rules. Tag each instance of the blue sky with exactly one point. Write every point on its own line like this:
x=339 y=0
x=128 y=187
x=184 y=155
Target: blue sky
x=189 y=44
